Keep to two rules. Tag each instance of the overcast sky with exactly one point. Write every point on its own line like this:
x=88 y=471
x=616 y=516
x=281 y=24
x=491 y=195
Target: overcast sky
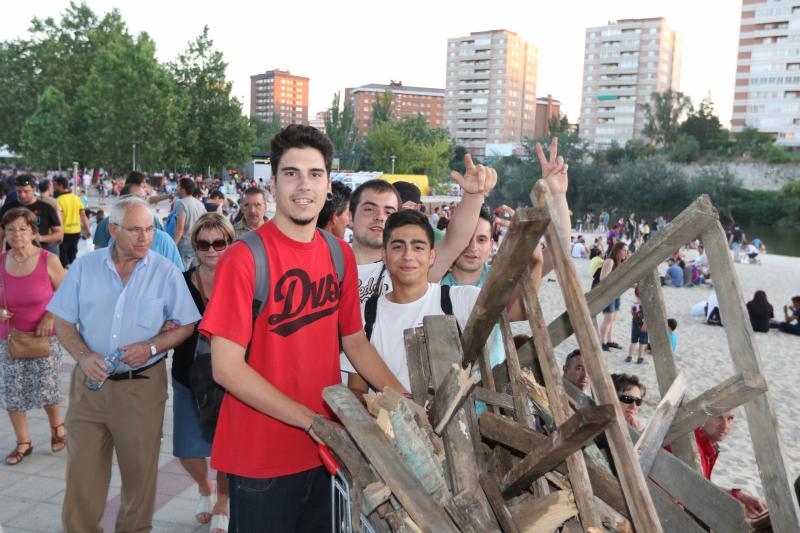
x=347 y=43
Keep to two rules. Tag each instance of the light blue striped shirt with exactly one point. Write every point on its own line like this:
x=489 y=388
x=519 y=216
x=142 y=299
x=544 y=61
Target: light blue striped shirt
x=109 y=314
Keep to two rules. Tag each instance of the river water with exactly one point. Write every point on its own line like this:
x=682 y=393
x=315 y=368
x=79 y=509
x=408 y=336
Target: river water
x=778 y=241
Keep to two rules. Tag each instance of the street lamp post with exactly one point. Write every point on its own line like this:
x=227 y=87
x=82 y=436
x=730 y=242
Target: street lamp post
x=133 y=155
x=393 y=158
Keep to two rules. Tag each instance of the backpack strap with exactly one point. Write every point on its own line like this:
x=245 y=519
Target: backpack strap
x=370 y=314
x=337 y=254
x=261 y=288
x=446 y=303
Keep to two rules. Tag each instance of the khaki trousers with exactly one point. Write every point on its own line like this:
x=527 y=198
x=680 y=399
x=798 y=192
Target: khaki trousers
x=125 y=416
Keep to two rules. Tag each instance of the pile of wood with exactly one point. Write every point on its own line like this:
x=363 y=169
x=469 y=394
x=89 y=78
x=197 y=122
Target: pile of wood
x=430 y=464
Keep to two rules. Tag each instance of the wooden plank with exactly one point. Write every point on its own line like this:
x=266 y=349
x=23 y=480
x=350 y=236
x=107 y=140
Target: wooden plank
x=652 y=438
x=569 y=437
x=386 y=460
x=730 y=394
x=499 y=399
x=375 y=494
x=416 y=371
x=451 y=393
x=761 y=418
x=655 y=315
x=634 y=486
x=462 y=446
x=544 y=514
x=702 y=498
x=498 y=504
x=671 y=516
x=683 y=228
x=527 y=227
x=553 y=379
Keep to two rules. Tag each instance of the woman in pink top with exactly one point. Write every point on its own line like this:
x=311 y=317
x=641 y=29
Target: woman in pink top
x=30 y=276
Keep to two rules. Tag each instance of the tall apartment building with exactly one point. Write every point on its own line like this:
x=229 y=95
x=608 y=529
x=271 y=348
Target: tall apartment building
x=406 y=102
x=767 y=91
x=281 y=92
x=491 y=89
x=625 y=62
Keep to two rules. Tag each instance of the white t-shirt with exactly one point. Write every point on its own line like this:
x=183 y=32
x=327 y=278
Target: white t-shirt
x=392 y=319
x=578 y=250
x=368 y=275
x=701 y=260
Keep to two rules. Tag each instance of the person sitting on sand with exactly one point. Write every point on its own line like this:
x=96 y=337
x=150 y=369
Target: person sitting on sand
x=752 y=254
x=708 y=437
x=713 y=314
x=792 y=316
x=674 y=275
x=760 y=311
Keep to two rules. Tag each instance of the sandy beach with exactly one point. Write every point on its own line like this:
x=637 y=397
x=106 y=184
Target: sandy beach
x=704 y=358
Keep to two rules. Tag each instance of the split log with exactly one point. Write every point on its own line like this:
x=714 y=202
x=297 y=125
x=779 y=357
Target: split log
x=417 y=374
x=499 y=399
x=568 y=438
x=544 y=514
x=386 y=460
x=729 y=394
x=527 y=227
x=652 y=438
x=450 y=395
x=501 y=512
x=375 y=494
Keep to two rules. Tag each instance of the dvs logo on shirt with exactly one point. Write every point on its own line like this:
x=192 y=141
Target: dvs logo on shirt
x=297 y=292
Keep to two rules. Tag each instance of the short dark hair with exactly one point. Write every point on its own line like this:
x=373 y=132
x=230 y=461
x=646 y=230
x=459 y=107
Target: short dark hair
x=23 y=180
x=300 y=136
x=442 y=224
x=340 y=199
x=407 y=217
x=572 y=355
x=44 y=185
x=136 y=177
x=486 y=214
x=62 y=182
x=126 y=189
x=216 y=193
x=624 y=382
x=255 y=190
x=20 y=212
x=372 y=185
x=188 y=185
x=672 y=324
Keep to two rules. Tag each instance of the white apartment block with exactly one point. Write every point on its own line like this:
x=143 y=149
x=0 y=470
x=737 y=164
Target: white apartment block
x=767 y=91
x=491 y=89
x=625 y=62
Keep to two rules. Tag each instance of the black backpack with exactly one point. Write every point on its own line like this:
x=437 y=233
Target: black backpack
x=371 y=309
x=208 y=394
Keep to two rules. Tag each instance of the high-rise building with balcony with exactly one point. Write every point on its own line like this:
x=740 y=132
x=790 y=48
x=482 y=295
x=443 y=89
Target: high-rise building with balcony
x=282 y=93
x=625 y=62
x=767 y=90
x=407 y=101
x=491 y=89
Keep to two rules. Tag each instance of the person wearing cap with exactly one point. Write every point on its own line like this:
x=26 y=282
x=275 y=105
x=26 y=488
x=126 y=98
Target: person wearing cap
x=51 y=231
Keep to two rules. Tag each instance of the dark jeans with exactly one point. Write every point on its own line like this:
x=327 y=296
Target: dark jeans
x=69 y=248
x=295 y=503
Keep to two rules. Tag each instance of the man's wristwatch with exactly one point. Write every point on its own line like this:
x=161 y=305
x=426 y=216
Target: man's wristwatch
x=153 y=349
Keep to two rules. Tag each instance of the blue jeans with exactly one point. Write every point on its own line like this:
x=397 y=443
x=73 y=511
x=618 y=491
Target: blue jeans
x=295 y=503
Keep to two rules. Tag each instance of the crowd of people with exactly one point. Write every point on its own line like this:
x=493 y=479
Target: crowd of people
x=348 y=272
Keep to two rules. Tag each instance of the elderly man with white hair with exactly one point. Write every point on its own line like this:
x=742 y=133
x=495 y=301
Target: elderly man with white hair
x=115 y=301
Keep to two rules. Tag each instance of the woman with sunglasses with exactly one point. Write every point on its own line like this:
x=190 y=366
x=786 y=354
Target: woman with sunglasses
x=630 y=393
x=211 y=236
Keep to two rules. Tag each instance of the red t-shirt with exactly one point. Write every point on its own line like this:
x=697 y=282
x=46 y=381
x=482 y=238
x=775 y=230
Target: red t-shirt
x=295 y=346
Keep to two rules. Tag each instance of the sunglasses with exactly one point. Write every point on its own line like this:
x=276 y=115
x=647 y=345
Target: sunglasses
x=625 y=398
x=218 y=245
x=23 y=182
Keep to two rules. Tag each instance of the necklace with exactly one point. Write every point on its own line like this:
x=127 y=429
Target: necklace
x=20 y=261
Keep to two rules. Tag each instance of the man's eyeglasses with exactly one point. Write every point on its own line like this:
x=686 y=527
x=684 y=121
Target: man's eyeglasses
x=138 y=230
x=625 y=398
x=218 y=245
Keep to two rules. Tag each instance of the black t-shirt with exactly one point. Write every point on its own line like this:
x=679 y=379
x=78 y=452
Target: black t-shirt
x=46 y=216
x=183 y=357
x=759 y=318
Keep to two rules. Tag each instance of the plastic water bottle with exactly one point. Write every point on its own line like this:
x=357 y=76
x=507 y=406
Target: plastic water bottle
x=111 y=361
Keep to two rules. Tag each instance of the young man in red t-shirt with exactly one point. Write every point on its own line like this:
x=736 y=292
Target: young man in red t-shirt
x=263 y=438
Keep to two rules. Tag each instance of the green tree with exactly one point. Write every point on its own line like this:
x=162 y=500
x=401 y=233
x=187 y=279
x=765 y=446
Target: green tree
x=213 y=132
x=615 y=153
x=559 y=123
x=382 y=108
x=265 y=131
x=44 y=135
x=776 y=154
x=340 y=127
x=703 y=124
x=18 y=92
x=720 y=184
x=753 y=143
x=127 y=97
x=663 y=116
x=686 y=149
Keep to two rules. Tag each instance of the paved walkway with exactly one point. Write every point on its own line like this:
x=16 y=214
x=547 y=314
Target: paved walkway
x=32 y=492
